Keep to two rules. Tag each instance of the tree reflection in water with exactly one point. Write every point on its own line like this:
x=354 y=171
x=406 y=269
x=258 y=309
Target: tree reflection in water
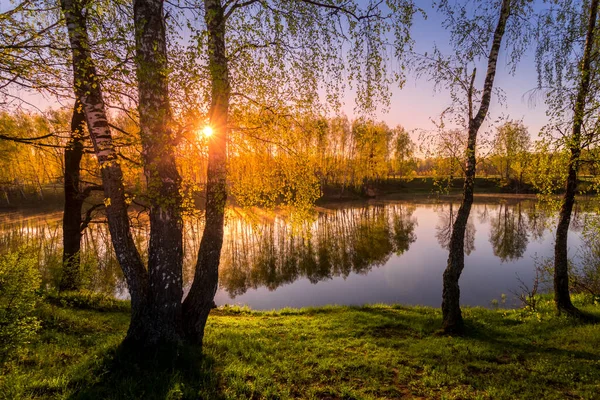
x=443 y=229
x=338 y=243
x=267 y=251
x=508 y=233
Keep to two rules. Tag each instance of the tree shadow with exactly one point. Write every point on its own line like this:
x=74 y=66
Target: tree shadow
x=499 y=336
x=503 y=341
x=164 y=373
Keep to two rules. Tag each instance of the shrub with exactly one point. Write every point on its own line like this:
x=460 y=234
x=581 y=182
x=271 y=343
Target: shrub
x=19 y=283
x=586 y=276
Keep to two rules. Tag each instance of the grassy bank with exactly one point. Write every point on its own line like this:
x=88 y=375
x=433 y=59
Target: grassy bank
x=375 y=352
x=430 y=186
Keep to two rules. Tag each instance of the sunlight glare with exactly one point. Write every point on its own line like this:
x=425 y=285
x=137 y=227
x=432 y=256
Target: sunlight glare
x=207 y=131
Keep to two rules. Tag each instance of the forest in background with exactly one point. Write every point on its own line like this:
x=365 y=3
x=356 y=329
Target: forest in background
x=338 y=157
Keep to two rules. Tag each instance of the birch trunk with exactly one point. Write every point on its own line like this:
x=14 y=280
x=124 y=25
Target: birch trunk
x=452 y=317
x=89 y=94
x=165 y=252
x=199 y=301
x=562 y=297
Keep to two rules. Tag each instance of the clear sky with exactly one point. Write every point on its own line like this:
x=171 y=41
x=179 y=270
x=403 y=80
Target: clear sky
x=415 y=104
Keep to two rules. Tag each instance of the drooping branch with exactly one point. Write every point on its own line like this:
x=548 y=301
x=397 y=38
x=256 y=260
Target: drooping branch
x=358 y=17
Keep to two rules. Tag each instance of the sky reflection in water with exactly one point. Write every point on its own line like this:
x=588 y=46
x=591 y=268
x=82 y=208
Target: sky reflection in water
x=391 y=253
x=359 y=253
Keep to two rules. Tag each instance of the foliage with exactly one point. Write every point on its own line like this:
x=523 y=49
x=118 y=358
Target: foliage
x=289 y=58
x=511 y=146
x=370 y=352
x=24 y=168
x=29 y=170
x=372 y=144
x=547 y=168
x=403 y=163
x=446 y=149
x=19 y=282
x=560 y=44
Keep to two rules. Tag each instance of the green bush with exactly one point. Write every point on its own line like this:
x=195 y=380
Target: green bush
x=19 y=283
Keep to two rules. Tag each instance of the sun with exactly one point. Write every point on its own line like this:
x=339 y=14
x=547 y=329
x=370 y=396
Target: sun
x=207 y=131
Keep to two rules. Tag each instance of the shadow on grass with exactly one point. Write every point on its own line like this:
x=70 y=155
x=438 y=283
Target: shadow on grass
x=509 y=341
x=182 y=373
x=499 y=333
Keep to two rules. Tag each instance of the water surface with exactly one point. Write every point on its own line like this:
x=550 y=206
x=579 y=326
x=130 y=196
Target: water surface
x=354 y=254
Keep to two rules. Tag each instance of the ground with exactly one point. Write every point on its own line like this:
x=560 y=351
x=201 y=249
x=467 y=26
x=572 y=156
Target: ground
x=371 y=352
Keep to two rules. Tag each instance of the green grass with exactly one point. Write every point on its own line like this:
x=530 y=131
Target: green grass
x=372 y=352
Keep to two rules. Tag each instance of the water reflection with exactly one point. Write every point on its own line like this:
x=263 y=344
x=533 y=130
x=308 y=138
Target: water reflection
x=338 y=243
x=365 y=253
x=447 y=216
x=508 y=233
x=42 y=235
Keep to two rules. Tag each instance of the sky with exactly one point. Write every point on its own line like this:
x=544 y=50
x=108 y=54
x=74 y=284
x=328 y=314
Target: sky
x=417 y=103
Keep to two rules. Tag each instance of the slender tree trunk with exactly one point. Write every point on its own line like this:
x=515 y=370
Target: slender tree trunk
x=562 y=297
x=452 y=317
x=199 y=301
x=165 y=251
x=71 y=275
x=89 y=94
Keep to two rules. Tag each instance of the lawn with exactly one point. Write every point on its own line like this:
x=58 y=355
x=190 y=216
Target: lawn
x=371 y=352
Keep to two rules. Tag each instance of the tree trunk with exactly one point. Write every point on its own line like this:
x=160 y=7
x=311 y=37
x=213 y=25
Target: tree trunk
x=89 y=94
x=452 y=317
x=165 y=251
x=562 y=297
x=198 y=303
x=71 y=275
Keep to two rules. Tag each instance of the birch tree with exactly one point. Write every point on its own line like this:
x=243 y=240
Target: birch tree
x=299 y=30
x=89 y=94
x=567 y=59
x=293 y=49
x=34 y=54
x=478 y=30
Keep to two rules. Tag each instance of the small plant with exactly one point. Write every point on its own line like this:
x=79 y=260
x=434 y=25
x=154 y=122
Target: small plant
x=586 y=274
x=526 y=295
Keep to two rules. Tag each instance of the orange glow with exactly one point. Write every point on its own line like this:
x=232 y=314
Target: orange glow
x=207 y=131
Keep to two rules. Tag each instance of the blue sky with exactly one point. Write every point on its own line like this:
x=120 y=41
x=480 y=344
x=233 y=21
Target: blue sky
x=415 y=104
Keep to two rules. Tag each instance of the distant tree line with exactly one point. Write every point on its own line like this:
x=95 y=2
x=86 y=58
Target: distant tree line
x=337 y=152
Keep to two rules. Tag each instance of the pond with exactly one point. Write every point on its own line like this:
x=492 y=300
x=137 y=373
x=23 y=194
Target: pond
x=351 y=254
